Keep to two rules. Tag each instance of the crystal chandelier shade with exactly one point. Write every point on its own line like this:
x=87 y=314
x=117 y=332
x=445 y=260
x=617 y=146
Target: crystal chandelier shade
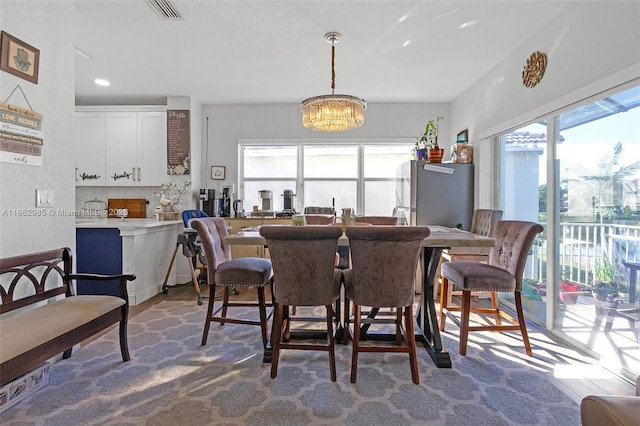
x=333 y=113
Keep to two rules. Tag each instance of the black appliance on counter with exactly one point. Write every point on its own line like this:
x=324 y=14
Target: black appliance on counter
x=288 y=210
x=224 y=203
x=208 y=201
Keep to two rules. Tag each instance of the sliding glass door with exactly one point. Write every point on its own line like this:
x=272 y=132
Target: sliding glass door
x=590 y=200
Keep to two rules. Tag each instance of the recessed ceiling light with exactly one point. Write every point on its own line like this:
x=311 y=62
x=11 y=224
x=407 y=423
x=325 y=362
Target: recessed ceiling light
x=101 y=82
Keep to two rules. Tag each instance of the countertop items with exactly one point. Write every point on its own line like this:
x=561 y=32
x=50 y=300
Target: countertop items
x=126 y=224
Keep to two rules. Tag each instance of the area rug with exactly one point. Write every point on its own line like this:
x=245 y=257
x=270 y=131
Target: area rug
x=173 y=380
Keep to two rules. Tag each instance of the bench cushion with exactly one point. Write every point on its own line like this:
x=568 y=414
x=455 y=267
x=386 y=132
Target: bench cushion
x=25 y=330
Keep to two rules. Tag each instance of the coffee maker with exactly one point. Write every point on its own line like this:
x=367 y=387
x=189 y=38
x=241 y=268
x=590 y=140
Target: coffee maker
x=267 y=200
x=208 y=201
x=224 y=203
x=288 y=203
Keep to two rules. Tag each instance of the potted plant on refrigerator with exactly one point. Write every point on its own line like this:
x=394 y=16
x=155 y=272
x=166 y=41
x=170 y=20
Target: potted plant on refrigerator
x=429 y=140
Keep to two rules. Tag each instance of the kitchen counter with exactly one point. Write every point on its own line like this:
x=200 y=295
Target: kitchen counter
x=126 y=224
x=143 y=247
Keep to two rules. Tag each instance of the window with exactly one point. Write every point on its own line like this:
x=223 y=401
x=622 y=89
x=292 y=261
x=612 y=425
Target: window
x=361 y=176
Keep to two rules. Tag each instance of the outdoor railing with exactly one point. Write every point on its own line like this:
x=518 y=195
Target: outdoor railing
x=583 y=246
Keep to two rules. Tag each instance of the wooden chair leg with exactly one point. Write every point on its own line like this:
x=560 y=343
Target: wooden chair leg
x=399 y=326
x=444 y=289
x=225 y=303
x=464 y=320
x=496 y=308
x=276 y=336
x=521 y=322
x=263 y=316
x=355 y=343
x=331 y=342
x=207 y=323
x=411 y=342
x=346 y=330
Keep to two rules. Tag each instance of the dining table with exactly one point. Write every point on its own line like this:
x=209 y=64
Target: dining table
x=440 y=238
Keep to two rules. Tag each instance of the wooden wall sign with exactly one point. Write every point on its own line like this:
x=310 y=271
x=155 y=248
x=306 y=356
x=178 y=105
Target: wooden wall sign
x=21 y=135
x=178 y=142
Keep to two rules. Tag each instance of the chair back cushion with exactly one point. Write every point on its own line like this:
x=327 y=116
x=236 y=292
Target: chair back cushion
x=212 y=231
x=318 y=219
x=187 y=215
x=484 y=221
x=513 y=241
x=303 y=259
x=384 y=260
x=319 y=210
x=378 y=220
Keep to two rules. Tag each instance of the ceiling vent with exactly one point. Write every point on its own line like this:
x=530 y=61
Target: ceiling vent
x=165 y=10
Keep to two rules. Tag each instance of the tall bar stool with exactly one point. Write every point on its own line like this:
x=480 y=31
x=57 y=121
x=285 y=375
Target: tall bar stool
x=503 y=273
x=229 y=273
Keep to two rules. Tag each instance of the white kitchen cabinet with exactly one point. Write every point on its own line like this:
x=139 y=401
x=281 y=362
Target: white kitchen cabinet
x=122 y=148
x=133 y=152
x=90 y=142
x=152 y=148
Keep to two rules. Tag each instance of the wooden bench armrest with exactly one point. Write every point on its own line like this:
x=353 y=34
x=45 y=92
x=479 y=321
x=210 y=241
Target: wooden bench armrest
x=123 y=278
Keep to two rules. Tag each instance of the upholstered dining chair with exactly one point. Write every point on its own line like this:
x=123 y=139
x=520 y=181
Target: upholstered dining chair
x=384 y=260
x=319 y=210
x=319 y=219
x=483 y=222
x=230 y=273
x=503 y=273
x=378 y=220
x=303 y=259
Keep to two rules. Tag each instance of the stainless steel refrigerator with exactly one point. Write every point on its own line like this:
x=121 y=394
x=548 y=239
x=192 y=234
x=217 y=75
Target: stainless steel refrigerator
x=435 y=193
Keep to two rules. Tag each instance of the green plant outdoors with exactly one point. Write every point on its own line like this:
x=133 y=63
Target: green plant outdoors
x=429 y=138
x=604 y=271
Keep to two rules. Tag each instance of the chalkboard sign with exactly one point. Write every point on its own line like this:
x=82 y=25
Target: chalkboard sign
x=178 y=142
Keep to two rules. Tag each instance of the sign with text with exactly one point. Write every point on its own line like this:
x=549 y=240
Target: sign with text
x=21 y=135
x=178 y=142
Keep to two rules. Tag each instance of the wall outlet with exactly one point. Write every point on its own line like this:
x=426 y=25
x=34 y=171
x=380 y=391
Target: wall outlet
x=126 y=268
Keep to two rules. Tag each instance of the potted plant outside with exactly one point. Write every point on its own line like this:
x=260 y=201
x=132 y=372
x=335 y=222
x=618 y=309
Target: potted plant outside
x=605 y=287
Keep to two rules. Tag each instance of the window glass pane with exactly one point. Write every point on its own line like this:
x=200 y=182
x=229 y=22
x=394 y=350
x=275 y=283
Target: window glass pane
x=382 y=161
x=252 y=193
x=332 y=161
x=270 y=161
x=323 y=194
x=379 y=198
x=599 y=173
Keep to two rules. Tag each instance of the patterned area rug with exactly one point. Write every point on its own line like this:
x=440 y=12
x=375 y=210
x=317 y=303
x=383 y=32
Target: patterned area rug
x=172 y=380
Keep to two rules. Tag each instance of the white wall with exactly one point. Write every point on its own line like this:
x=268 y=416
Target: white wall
x=53 y=97
x=590 y=47
x=228 y=123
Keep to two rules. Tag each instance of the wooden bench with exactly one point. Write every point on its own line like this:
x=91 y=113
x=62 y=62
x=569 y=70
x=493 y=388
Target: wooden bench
x=41 y=317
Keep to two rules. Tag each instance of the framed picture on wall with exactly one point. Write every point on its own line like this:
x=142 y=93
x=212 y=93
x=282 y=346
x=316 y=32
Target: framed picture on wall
x=217 y=172
x=19 y=58
x=463 y=136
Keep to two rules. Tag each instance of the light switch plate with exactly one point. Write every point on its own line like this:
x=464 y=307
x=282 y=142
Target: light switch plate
x=44 y=198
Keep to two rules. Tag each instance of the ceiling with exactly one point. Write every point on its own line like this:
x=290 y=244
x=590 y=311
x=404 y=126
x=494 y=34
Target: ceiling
x=274 y=51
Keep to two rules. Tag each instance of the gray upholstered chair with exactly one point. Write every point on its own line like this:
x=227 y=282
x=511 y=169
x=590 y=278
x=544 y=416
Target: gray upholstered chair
x=378 y=220
x=230 y=273
x=384 y=260
x=303 y=259
x=483 y=222
x=319 y=219
x=503 y=273
x=319 y=210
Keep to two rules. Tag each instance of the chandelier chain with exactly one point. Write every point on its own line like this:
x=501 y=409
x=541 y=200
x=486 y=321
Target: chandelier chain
x=333 y=71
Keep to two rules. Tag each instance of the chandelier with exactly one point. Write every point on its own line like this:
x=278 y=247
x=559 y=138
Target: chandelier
x=333 y=113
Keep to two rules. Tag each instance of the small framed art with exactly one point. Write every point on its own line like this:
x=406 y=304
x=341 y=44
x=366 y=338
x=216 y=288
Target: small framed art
x=217 y=172
x=463 y=136
x=19 y=58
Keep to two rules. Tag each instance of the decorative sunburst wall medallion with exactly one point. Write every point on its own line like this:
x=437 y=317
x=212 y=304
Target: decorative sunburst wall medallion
x=534 y=69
